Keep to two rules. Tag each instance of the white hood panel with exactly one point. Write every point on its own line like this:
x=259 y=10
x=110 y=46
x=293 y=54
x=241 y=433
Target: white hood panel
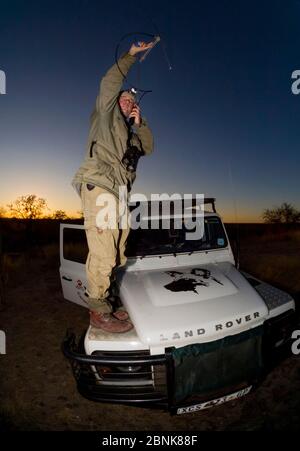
x=182 y=305
x=185 y=285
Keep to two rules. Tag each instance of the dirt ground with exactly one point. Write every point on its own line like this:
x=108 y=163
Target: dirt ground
x=38 y=391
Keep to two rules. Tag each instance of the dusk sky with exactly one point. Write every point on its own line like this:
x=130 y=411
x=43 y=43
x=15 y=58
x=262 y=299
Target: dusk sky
x=224 y=119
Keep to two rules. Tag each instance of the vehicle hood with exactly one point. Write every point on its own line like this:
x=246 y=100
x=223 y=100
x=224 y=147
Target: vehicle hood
x=182 y=305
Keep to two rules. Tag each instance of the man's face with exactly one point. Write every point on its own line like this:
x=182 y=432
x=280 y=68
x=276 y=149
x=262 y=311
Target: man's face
x=126 y=103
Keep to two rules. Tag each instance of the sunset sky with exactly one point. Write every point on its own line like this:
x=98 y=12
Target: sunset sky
x=224 y=119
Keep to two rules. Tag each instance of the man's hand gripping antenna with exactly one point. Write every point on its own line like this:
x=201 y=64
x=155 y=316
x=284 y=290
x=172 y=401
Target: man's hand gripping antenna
x=156 y=41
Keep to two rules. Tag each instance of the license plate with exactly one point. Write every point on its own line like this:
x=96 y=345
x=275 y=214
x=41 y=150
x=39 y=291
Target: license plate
x=214 y=402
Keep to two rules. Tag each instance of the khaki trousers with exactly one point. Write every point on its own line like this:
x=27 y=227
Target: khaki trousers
x=106 y=247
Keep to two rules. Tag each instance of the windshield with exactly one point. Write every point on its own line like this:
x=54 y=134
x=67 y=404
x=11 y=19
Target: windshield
x=143 y=242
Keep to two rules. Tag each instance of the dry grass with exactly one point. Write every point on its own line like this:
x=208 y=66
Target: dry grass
x=51 y=253
x=14 y=416
x=282 y=236
x=274 y=258
x=282 y=271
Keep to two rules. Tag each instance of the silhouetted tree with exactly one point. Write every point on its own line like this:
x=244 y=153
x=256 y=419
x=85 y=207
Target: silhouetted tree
x=285 y=214
x=28 y=207
x=2 y=212
x=60 y=215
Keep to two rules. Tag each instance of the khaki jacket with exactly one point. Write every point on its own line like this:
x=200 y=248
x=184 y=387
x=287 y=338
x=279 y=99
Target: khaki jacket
x=107 y=141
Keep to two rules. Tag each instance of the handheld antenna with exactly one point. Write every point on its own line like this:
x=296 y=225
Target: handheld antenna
x=164 y=47
x=144 y=91
x=156 y=41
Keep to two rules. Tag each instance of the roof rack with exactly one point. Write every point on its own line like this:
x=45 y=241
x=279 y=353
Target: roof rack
x=212 y=201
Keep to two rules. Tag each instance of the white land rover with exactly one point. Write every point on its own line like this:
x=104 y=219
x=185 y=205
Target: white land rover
x=204 y=332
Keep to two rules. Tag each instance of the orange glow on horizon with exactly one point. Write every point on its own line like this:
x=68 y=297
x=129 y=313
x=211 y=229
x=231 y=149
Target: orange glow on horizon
x=227 y=218
x=71 y=199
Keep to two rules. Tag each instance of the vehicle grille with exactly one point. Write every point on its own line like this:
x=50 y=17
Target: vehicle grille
x=133 y=376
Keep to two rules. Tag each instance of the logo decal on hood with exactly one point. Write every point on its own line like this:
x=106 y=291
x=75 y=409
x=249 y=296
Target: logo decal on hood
x=189 y=281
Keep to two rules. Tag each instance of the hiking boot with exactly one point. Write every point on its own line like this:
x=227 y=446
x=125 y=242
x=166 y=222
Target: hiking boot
x=121 y=315
x=108 y=323
x=116 y=303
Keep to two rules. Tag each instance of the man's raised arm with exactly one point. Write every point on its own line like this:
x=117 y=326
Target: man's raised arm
x=111 y=83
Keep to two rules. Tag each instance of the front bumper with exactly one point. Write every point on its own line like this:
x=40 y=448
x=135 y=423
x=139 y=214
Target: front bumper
x=119 y=377
x=181 y=377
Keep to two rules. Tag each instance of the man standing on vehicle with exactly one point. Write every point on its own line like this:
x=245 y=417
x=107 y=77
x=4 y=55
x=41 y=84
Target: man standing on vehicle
x=114 y=148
